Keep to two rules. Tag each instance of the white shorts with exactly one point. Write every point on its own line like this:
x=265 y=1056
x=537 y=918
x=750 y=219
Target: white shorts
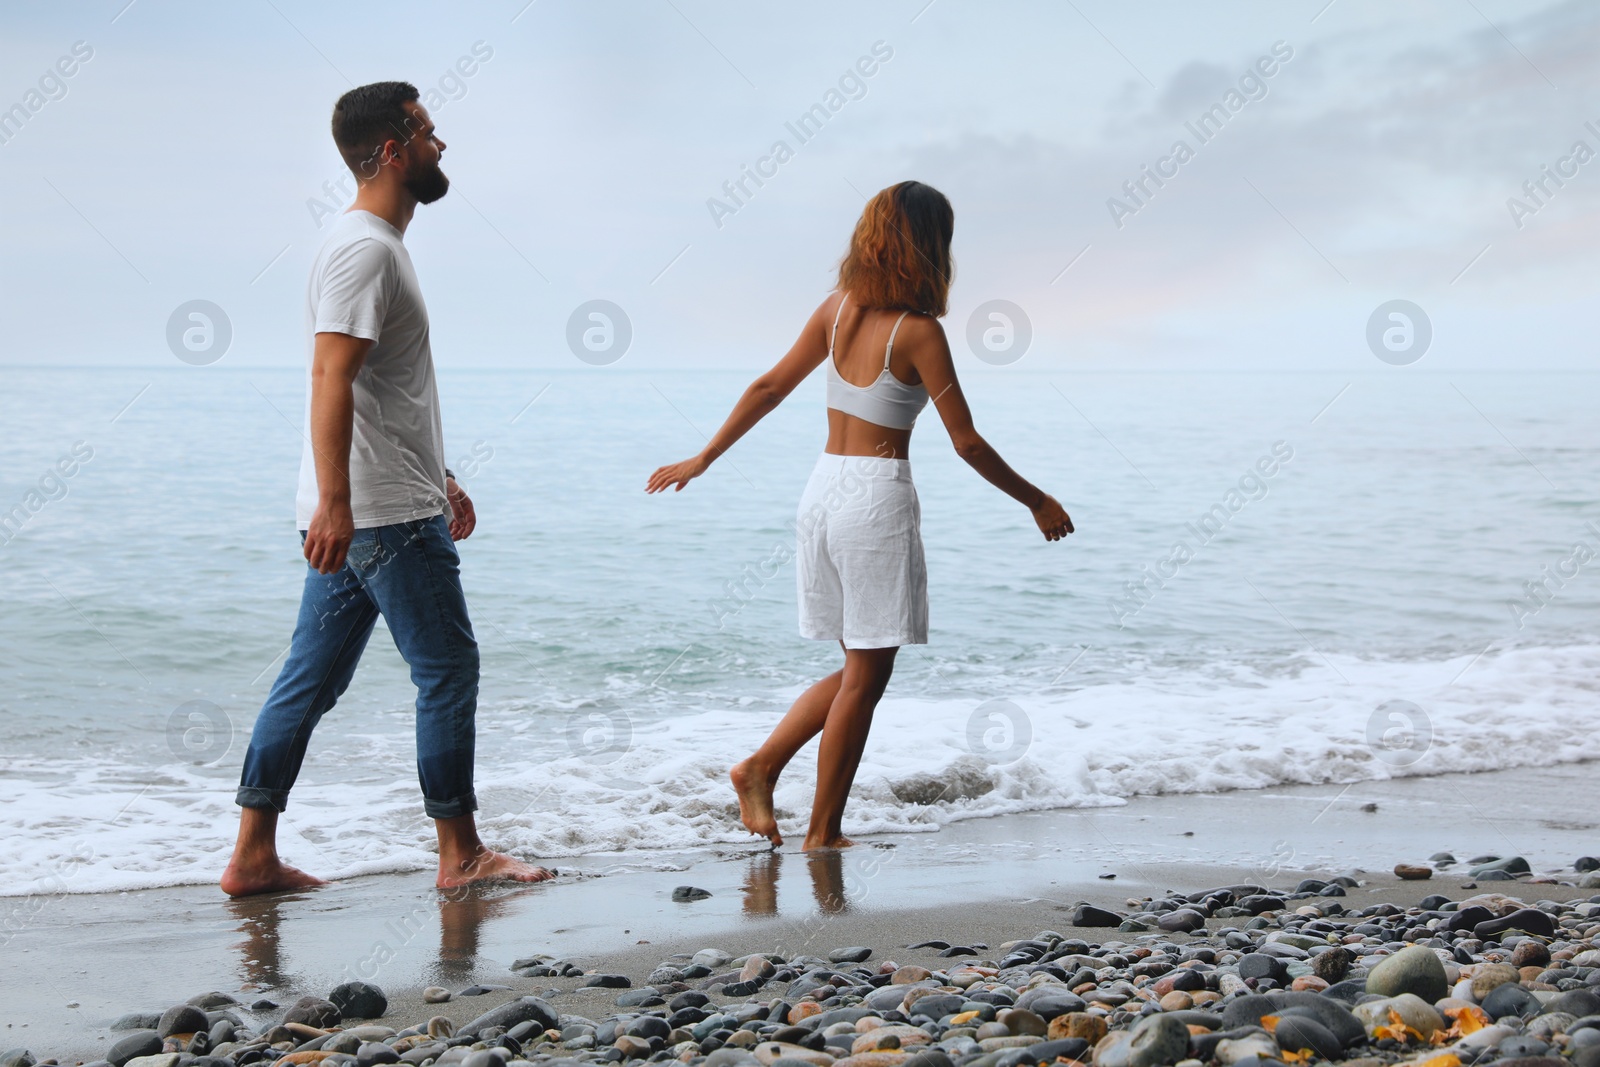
x=858 y=542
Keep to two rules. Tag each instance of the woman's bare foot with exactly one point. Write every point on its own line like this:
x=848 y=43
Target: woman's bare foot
x=245 y=879
x=490 y=867
x=754 y=787
x=819 y=843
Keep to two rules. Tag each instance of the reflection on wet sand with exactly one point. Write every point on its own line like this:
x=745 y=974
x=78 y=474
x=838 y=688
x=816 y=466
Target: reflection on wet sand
x=827 y=880
x=261 y=951
x=827 y=871
x=375 y=944
x=761 y=883
x=462 y=914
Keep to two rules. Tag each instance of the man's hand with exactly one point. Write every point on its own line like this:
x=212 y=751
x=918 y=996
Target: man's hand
x=328 y=537
x=1053 y=520
x=463 y=519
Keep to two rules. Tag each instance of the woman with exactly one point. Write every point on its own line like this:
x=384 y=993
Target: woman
x=860 y=567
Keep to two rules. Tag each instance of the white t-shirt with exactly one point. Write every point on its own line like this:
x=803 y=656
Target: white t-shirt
x=362 y=284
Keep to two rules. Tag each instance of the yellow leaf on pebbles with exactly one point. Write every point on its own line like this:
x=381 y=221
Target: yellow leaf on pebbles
x=1445 y=1059
x=1397 y=1030
x=1468 y=1019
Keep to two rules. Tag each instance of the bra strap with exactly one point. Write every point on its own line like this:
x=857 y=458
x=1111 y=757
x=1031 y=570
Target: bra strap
x=843 y=297
x=890 y=346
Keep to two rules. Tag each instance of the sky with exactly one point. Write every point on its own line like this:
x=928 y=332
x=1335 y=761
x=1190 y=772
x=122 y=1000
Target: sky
x=187 y=157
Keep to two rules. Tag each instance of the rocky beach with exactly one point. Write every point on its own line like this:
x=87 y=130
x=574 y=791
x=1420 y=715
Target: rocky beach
x=1240 y=975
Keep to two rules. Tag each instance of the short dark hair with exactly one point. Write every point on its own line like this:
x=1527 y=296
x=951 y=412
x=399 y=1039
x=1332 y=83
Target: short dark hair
x=366 y=117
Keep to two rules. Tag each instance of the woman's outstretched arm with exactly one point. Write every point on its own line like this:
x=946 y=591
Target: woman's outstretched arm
x=762 y=395
x=931 y=357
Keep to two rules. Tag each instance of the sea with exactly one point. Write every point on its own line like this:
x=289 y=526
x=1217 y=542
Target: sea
x=1296 y=577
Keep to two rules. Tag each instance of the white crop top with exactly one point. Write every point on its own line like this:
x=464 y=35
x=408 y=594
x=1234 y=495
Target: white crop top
x=887 y=401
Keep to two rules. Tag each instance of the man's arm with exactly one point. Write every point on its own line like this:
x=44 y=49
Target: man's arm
x=336 y=359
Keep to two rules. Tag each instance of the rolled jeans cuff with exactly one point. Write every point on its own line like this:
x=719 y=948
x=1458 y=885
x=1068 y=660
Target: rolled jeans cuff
x=450 y=809
x=253 y=797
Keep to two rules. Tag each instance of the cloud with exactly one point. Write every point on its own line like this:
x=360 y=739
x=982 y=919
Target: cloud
x=1377 y=165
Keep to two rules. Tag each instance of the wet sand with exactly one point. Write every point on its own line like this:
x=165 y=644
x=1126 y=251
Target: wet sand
x=79 y=961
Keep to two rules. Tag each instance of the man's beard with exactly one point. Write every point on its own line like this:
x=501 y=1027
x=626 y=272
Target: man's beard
x=428 y=186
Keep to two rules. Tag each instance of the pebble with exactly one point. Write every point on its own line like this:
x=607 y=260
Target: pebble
x=435 y=995
x=182 y=1019
x=138 y=1020
x=1333 y=965
x=1511 y=865
x=1301 y=1033
x=1489 y=976
x=1415 y=969
x=1252 y=1047
x=1531 y=920
x=1088 y=915
x=137 y=1044
x=1182 y=920
x=1511 y=1000
x=509 y=1015
x=1413 y=1011
x=359 y=1000
x=313 y=1011
x=1177 y=1000
x=163 y=1059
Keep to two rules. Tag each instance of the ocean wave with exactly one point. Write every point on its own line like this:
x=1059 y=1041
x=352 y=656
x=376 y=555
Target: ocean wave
x=596 y=779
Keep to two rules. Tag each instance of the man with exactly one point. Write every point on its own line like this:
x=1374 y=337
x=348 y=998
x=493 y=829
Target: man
x=373 y=504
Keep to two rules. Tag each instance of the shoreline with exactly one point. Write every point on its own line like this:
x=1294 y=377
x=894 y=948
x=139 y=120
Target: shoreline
x=990 y=880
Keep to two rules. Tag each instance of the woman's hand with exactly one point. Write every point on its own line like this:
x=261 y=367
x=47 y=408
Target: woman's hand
x=677 y=475
x=1053 y=520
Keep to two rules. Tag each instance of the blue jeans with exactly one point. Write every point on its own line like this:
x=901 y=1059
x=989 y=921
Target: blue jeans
x=410 y=574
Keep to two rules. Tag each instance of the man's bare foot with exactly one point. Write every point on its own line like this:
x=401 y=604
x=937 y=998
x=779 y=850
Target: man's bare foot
x=754 y=787
x=490 y=867
x=243 y=879
x=815 y=844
